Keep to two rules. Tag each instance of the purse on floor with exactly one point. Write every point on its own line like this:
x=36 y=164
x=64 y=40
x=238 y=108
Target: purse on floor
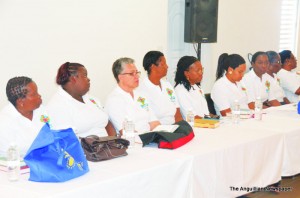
x=103 y=148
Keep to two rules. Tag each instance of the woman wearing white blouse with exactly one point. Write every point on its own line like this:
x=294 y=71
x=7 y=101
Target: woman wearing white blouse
x=21 y=119
x=228 y=88
x=272 y=70
x=127 y=101
x=289 y=80
x=190 y=95
x=160 y=93
x=73 y=107
x=257 y=82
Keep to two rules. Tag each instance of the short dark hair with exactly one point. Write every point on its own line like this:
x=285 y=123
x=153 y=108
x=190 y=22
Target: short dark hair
x=151 y=57
x=285 y=54
x=257 y=54
x=272 y=55
x=65 y=71
x=16 y=88
x=184 y=64
x=225 y=61
x=118 y=66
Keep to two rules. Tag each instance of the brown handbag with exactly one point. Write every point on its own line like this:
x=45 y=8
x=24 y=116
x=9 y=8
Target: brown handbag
x=103 y=148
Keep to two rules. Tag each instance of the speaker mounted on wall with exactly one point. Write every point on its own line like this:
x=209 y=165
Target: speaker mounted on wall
x=201 y=21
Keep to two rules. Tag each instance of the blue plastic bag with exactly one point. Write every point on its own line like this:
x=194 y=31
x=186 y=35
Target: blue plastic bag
x=55 y=156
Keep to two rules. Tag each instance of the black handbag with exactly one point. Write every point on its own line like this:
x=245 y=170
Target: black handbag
x=103 y=148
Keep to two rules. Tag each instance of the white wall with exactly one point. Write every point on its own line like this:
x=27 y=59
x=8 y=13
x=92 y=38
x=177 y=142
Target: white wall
x=37 y=36
x=243 y=27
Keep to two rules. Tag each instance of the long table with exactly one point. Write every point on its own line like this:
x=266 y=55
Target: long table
x=224 y=162
x=145 y=172
x=233 y=157
x=285 y=120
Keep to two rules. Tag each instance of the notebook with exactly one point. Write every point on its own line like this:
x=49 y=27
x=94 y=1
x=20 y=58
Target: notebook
x=166 y=128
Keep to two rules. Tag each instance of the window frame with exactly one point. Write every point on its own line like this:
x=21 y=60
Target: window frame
x=289 y=25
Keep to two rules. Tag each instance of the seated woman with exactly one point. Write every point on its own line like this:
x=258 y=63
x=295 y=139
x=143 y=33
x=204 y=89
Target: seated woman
x=257 y=83
x=272 y=70
x=159 y=92
x=72 y=107
x=228 y=86
x=126 y=101
x=289 y=80
x=187 y=87
x=21 y=119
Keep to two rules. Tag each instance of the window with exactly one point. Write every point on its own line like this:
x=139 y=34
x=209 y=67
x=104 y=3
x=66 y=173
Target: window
x=289 y=25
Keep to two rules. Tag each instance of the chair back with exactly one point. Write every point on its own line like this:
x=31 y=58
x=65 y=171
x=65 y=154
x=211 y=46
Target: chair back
x=210 y=104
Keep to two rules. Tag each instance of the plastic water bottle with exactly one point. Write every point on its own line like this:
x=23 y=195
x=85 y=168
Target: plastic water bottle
x=236 y=112
x=190 y=118
x=13 y=163
x=299 y=107
x=124 y=127
x=129 y=132
x=258 y=109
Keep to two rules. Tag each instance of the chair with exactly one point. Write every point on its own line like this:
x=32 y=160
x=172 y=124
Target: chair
x=210 y=104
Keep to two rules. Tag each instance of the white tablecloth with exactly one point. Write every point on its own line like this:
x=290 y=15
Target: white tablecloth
x=145 y=172
x=234 y=156
x=285 y=120
x=216 y=163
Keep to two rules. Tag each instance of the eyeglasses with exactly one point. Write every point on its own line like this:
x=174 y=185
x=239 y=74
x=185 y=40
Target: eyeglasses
x=278 y=62
x=135 y=73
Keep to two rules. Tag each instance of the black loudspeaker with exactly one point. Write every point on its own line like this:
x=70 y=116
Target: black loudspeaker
x=201 y=21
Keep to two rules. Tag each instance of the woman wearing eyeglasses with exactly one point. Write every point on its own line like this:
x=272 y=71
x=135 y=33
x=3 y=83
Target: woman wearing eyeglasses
x=257 y=82
x=160 y=92
x=228 y=86
x=190 y=95
x=271 y=74
x=126 y=101
x=73 y=107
